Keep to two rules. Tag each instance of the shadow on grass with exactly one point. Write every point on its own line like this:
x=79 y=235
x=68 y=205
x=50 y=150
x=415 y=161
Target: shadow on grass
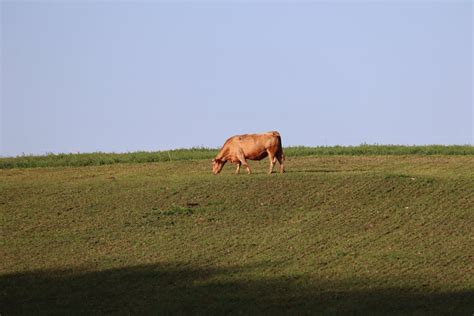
x=168 y=289
x=325 y=170
x=314 y=170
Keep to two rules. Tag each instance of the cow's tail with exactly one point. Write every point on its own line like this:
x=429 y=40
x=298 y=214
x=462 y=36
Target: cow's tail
x=280 y=145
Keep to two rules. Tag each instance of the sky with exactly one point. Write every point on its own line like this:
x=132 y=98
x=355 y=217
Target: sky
x=86 y=76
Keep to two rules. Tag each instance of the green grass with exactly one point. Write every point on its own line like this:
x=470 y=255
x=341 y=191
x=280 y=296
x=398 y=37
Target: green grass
x=95 y=159
x=99 y=158
x=378 y=234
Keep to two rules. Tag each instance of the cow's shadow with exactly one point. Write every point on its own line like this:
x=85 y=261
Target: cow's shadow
x=183 y=289
x=316 y=170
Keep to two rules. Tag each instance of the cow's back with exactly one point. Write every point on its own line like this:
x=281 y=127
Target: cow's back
x=256 y=146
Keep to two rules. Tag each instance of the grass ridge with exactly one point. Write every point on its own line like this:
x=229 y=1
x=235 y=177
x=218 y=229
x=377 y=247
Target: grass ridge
x=198 y=153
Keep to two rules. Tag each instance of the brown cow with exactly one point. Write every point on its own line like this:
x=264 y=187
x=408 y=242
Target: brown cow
x=238 y=149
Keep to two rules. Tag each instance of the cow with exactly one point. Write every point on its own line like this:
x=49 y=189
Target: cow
x=239 y=148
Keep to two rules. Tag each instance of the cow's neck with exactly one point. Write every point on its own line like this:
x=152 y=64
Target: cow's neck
x=222 y=155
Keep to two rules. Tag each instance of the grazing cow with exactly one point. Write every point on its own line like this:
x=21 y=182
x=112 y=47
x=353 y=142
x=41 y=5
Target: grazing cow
x=238 y=149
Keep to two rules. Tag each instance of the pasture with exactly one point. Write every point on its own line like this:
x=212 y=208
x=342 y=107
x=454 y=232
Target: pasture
x=338 y=233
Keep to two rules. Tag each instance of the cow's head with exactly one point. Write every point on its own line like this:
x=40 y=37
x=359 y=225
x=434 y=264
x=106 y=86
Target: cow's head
x=217 y=165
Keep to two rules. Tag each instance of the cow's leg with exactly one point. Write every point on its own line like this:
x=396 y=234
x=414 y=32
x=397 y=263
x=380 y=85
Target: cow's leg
x=244 y=163
x=271 y=158
x=281 y=160
x=237 y=171
x=246 y=166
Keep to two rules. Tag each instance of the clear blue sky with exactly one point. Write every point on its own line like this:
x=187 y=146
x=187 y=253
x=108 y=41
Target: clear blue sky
x=107 y=76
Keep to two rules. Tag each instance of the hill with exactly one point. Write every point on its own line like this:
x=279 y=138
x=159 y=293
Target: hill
x=385 y=234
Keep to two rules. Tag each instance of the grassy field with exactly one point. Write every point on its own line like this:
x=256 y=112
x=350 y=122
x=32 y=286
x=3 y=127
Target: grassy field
x=377 y=234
